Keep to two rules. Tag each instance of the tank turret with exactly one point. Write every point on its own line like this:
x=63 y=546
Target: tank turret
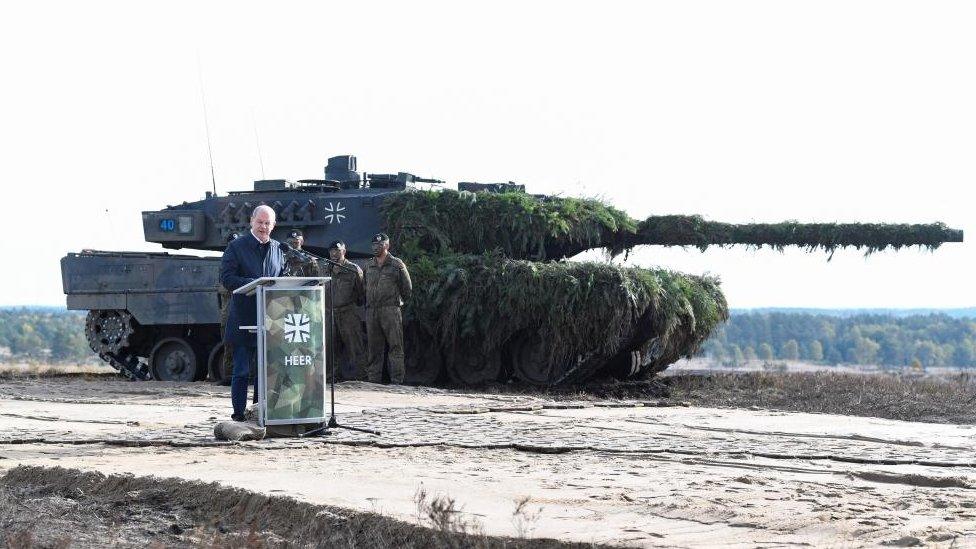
x=493 y=297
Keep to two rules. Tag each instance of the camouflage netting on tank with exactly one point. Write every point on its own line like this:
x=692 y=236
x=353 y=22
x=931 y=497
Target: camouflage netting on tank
x=524 y=226
x=473 y=302
x=519 y=225
x=474 y=289
x=693 y=230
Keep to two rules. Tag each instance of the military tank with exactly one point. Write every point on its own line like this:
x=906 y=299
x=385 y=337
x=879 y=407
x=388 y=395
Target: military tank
x=494 y=298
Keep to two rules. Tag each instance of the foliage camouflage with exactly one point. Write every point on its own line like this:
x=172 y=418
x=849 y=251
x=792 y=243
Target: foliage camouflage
x=474 y=287
x=692 y=230
x=519 y=225
x=470 y=301
x=523 y=226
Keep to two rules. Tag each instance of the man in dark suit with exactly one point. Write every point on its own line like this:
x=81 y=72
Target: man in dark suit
x=246 y=259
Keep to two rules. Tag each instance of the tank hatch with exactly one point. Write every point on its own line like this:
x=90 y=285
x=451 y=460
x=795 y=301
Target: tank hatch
x=264 y=185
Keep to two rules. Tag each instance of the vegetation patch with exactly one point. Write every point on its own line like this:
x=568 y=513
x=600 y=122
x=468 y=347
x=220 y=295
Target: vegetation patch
x=57 y=507
x=907 y=398
x=42 y=334
x=918 y=341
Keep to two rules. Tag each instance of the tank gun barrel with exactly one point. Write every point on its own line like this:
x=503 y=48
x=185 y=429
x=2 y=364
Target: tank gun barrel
x=693 y=230
x=526 y=227
x=428 y=180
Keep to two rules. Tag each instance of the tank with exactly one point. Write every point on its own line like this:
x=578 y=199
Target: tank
x=494 y=299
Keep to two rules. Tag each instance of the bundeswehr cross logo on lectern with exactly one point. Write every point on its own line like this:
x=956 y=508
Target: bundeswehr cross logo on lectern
x=296 y=328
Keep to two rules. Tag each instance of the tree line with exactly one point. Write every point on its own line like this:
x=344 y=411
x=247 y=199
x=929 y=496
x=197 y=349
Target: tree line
x=870 y=339
x=38 y=333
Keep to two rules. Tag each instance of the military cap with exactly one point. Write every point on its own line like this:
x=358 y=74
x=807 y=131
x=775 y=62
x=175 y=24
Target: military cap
x=338 y=245
x=295 y=233
x=380 y=237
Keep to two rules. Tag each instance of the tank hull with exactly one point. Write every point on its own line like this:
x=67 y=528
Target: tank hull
x=144 y=304
x=157 y=316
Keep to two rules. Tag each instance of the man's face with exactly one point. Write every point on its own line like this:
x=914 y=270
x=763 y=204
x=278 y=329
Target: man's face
x=337 y=255
x=296 y=241
x=380 y=247
x=262 y=223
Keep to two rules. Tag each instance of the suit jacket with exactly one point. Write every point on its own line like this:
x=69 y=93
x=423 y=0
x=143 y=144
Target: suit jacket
x=243 y=262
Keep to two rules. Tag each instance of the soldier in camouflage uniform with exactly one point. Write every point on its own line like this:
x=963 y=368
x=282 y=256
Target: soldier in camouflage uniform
x=227 y=363
x=387 y=287
x=224 y=298
x=349 y=296
x=299 y=264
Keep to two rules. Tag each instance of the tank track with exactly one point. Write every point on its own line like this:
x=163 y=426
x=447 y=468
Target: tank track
x=128 y=365
x=108 y=332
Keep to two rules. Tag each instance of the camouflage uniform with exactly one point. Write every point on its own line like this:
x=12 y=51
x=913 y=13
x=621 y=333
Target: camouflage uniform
x=228 y=361
x=349 y=296
x=387 y=286
x=299 y=264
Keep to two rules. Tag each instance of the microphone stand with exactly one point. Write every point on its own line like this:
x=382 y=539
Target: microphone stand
x=332 y=423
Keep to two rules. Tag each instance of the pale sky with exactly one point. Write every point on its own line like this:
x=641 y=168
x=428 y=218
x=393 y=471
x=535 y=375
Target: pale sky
x=739 y=111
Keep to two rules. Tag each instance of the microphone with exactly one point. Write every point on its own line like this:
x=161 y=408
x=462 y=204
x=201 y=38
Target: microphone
x=289 y=249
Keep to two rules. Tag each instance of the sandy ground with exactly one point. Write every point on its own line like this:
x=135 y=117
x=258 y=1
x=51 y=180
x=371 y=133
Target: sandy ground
x=630 y=473
x=707 y=365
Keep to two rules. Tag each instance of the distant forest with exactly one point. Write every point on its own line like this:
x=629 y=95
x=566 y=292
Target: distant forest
x=47 y=334
x=889 y=340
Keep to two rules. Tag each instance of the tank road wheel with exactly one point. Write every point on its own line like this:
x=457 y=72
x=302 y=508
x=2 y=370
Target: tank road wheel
x=423 y=364
x=531 y=363
x=174 y=359
x=626 y=364
x=422 y=359
x=108 y=331
x=219 y=372
x=467 y=367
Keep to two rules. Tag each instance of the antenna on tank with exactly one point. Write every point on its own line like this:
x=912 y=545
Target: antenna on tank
x=257 y=141
x=206 y=124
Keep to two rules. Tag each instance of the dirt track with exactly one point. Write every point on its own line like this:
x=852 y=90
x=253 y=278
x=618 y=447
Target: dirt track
x=618 y=472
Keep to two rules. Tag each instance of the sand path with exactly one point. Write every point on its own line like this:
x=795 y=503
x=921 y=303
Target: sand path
x=629 y=473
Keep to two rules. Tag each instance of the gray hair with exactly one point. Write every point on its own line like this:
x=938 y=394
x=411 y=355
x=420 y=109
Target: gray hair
x=263 y=208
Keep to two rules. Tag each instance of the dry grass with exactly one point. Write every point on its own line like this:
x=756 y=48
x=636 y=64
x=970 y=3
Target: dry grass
x=57 y=507
x=30 y=369
x=910 y=398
